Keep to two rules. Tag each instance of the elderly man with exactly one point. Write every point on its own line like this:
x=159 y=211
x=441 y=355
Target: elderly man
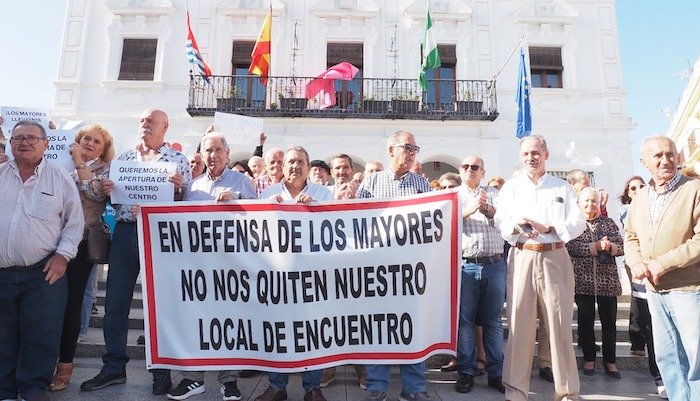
x=220 y=184
x=537 y=213
x=40 y=229
x=124 y=255
x=396 y=181
x=295 y=187
x=483 y=278
x=273 y=170
x=320 y=172
x=373 y=166
x=662 y=245
x=257 y=166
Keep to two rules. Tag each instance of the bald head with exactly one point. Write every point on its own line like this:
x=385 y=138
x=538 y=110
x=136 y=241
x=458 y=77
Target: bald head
x=153 y=124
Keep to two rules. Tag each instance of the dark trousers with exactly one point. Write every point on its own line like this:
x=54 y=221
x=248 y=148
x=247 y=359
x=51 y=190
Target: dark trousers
x=607 y=313
x=121 y=278
x=637 y=337
x=31 y=316
x=644 y=320
x=78 y=272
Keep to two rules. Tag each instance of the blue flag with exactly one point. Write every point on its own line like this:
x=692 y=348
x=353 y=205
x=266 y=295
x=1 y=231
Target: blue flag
x=522 y=98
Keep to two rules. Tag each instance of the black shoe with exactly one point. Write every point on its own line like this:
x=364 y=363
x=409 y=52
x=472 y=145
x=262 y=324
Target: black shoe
x=245 y=373
x=615 y=374
x=141 y=340
x=186 y=389
x=464 y=383
x=161 y=381
x=230 y=391
x=94 y=310
x=103 y=380
x=546 y=374
x=497 y=384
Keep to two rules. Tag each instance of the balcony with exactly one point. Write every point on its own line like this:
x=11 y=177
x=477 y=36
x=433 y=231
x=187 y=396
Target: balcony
x=374 y=98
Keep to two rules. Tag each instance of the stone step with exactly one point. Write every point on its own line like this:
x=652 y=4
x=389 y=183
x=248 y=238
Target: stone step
x=92 y=345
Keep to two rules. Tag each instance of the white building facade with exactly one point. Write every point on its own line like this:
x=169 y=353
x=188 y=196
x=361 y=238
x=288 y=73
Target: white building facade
x=685 y=126
x=578 y=98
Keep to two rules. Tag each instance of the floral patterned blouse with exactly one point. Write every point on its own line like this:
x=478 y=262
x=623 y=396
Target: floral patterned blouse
x=593 y=278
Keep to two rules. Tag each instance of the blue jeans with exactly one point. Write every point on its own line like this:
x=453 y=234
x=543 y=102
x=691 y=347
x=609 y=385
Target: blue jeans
x=483 y=290
x=311 y=379
x=121 y=278
x=412 y=377
x=31 y=320
x=675 y=317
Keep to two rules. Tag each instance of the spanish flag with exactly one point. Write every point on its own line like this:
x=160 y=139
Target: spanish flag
x=260 y=63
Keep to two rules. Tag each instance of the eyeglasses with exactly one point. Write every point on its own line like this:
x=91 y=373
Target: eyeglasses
x=32 y=140
x=633 y=188
x=473 y=167
x=449 y=186
x=408 y=147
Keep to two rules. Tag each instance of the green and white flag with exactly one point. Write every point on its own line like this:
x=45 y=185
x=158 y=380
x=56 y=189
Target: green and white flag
x=431 y=58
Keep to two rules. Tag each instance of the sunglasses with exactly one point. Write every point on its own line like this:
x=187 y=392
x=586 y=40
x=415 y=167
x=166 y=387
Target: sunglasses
x=449 y=186
x=473 y=167
x=408 y=147
x=634 y=188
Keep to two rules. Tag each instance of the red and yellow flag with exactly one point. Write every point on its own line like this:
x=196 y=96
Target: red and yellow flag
x=260 y=63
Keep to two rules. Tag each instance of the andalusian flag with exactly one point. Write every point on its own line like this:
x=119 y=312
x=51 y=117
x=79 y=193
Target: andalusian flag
x=260 y=63
x=431 y=58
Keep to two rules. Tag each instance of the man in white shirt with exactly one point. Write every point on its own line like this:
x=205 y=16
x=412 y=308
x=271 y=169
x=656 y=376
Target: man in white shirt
x=295 y=187
x=537 y=213
x=41 y=226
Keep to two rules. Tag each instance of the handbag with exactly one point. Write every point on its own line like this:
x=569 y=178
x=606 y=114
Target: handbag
x=98 y=243
x=605 y=258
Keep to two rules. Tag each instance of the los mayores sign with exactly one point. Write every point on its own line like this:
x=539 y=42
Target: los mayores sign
x=287 y=287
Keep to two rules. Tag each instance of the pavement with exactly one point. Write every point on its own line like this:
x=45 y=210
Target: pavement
x=635 y=385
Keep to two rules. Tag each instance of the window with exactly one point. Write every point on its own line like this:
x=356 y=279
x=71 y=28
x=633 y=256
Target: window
x=441 y=81
x=246 y=86
x=347 y=92
x=138 y=60
x=546 y=67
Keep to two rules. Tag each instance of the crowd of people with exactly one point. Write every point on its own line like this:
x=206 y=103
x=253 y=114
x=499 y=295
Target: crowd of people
x=539 y=243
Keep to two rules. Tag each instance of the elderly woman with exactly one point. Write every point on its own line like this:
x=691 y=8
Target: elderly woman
x=595 y=272
x=91 y=153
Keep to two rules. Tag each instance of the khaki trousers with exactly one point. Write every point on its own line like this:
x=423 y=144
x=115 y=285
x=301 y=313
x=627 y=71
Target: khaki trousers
x=547 y=279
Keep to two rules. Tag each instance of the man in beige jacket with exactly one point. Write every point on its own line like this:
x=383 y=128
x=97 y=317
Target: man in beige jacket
x=662 y=245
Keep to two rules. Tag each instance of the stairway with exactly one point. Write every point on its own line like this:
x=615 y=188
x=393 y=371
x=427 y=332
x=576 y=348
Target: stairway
x=92 y=345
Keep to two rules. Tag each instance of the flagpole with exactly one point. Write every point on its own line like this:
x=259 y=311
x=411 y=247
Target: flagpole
x=509 y=57
x=269 y=94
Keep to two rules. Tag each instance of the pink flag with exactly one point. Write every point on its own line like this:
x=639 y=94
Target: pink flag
x=324 y=83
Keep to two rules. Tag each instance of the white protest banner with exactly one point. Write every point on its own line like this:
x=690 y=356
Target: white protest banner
x=58 y=149
x=241 y=130
x=141 y=182
x=12 y=115
x=281 y=287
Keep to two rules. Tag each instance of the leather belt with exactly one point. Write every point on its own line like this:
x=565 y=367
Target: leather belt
x=484 y=260
x=539 y=247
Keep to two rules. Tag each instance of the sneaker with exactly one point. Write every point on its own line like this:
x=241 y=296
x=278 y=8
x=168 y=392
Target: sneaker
x=186 y=389
x=661 y=390
x=375 y=395
x=328 y=377
x=230 y=391
x=103 y=380
x=497 y=384
x=161 y=381
x=465 y=383
x=419 y=396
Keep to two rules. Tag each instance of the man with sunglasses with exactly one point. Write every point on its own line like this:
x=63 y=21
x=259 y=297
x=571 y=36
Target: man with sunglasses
x=483 y=278
x=537 y=214
x=393 y=182
x=40 y=229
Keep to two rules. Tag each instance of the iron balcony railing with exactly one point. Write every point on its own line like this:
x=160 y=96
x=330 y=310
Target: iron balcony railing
x=445 y=99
